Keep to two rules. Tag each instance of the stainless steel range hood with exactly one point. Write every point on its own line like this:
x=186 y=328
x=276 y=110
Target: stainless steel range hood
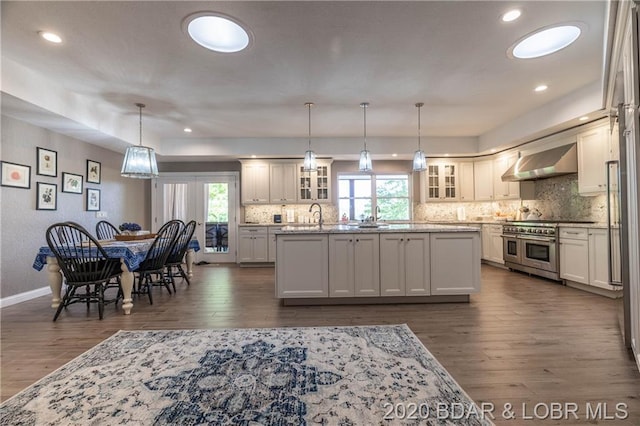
x=554 y=162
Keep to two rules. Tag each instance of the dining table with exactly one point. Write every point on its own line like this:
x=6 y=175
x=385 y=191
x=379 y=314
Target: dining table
x=130 y=253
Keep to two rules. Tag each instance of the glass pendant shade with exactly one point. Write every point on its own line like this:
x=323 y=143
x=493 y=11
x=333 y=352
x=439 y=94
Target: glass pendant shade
x=365 y=156
x=309 y=164
x=139 y=161
x=419 y=159
x=365 y=161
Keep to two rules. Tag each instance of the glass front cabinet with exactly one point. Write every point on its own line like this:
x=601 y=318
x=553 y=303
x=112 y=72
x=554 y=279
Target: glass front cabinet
x=315 y=186
x=440 y=182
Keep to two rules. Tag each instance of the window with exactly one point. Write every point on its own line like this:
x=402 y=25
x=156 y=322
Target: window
x=385 y=197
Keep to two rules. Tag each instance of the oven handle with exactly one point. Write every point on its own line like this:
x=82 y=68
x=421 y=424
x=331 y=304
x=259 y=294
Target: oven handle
x=542 y=239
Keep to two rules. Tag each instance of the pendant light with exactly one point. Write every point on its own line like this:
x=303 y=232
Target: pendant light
x=139 y=161
x=310 y=164
x=419 y=159
x=365 y=156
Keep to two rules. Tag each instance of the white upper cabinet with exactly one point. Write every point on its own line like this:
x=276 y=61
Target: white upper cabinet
x=504 y=190
x=483 y=180
x=465 y=172
x=593 y=152
x=255 y=182
x=283 y=181
x=315 y=186
x=440 y=182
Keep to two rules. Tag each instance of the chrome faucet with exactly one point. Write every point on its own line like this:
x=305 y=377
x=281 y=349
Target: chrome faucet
x=319 y=212
x=377 y=213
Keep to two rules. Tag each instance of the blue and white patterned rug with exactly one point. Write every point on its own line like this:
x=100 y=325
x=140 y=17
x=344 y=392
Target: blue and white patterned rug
x=282 y=376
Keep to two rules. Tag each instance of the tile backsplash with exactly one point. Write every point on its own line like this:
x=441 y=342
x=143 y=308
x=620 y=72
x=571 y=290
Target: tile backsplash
x=555 y=198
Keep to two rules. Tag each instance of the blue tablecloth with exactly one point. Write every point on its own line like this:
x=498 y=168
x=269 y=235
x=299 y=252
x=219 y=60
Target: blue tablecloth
x=132 y=252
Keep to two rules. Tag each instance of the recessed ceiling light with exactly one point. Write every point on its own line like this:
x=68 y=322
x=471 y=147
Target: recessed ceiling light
x=511 y=15
x=541 y=88
x=49 y=36
x=187 y=130
x=493 y=150
x=253 y=156
x=394 y=155
x=583 y=118
x=545 y=41
x=217 y=32
x=446 y=155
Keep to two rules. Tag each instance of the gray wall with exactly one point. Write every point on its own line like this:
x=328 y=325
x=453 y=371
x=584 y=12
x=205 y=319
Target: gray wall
x=22 y=227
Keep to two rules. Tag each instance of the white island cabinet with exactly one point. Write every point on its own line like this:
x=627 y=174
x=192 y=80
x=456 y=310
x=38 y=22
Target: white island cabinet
x=354 y=265
x=305 y=273
x=408 y=263
x=403 y=269
x=455 y=263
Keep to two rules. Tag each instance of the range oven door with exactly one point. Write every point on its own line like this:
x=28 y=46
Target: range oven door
x=539 y=253
x=511 y=249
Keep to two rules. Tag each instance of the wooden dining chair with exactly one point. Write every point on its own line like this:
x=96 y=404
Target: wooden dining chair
x=84 y=264
x=106 y=231
x=155 y=260
x=177 y=254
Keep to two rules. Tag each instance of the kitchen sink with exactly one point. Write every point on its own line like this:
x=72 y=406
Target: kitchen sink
x=371 y=225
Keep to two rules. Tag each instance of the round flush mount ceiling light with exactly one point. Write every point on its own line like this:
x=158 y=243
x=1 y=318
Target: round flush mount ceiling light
x=511 y=15
x=545 y=41
x=217 y=32
x=50 y=37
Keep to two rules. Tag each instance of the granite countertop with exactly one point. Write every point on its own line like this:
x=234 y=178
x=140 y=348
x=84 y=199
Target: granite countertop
x=386 y=228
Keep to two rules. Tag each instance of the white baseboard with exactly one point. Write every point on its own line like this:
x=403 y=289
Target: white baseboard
x=23 y=297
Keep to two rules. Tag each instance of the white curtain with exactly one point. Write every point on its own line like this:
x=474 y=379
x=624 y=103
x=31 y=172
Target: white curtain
x=175 y=206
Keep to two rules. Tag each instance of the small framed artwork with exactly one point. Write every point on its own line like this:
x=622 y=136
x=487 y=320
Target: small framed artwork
x=47 y=162
x=46 y=196
x=93 y=200
x=15 y=175
x=94 y=170
x=71 y=183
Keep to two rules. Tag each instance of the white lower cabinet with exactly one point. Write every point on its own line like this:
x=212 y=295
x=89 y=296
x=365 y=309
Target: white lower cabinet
x=253 y=245
x=599 y=258
x=492 y=243
x=354 y=265
x=272 y=242
x=404 y=265
x=306 y=270
x=574 y=254
x=455 y=263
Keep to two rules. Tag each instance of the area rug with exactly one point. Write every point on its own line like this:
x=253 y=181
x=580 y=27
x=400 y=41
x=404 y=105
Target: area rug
x=278 y=376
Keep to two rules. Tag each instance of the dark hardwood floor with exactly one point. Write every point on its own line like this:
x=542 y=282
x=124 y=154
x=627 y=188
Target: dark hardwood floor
x=522 y=340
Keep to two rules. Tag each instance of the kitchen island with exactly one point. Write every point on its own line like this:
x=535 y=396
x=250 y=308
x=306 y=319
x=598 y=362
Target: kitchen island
x=365 y=263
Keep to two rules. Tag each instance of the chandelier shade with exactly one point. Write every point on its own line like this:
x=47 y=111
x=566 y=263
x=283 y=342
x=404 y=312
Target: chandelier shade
x=139 y=161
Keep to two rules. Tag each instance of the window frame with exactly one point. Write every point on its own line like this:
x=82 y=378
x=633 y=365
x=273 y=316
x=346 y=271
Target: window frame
x=374 y=196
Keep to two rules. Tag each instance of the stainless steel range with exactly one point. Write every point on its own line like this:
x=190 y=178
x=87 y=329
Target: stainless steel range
x=532 y=247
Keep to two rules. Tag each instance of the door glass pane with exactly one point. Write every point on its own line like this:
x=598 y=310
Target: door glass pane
x=217 y=230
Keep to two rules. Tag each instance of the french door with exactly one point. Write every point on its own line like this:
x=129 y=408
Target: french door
x=211 y=199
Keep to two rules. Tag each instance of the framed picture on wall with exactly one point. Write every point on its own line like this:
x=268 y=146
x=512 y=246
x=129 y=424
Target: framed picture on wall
x=47 y=164
x=93 y=200
x=94 y=170
x=71 y=183
x=46 y=196
x=15 y=175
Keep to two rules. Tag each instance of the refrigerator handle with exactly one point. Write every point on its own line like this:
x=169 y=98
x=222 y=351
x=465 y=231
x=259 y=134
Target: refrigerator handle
x=610 y=238
x=610 y=220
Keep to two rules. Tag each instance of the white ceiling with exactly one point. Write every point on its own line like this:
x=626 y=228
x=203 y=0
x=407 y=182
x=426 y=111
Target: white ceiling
x=451 y=55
